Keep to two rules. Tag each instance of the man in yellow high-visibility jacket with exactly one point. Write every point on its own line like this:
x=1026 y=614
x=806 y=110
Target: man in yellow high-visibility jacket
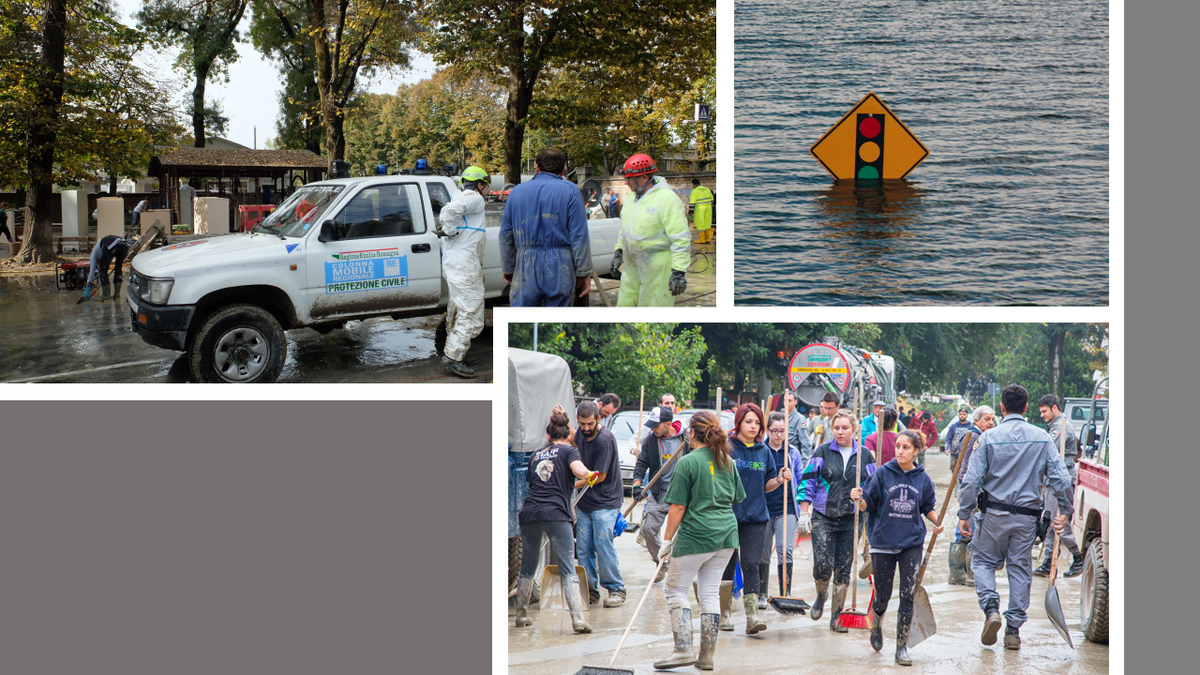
x=701 y=205
x=654 y=243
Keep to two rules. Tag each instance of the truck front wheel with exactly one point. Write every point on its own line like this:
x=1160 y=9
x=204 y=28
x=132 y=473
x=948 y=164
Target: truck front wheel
x=239 y=343
x=1093 y=594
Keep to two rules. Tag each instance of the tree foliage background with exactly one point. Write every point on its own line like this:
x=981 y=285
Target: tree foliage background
x=931 y=358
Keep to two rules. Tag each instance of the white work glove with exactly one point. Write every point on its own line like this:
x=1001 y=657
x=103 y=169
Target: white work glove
x=804 y=523
x=664 y=549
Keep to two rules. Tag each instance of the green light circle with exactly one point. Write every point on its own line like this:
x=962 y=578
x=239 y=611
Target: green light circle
x=868 y=173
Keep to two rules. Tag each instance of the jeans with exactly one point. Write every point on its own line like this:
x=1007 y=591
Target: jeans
x=594 y=546
x=562 y=546
x=707 y=568
x=780 y=539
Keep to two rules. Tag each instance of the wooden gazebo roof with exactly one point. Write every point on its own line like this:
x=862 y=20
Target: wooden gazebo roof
x=185 y=160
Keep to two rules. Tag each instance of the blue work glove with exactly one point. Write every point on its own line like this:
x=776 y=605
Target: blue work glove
x=615 y=268
x=620 y=525
x=678 y=282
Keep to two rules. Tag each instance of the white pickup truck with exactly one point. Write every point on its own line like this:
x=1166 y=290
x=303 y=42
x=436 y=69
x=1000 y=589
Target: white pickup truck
x=336 y=251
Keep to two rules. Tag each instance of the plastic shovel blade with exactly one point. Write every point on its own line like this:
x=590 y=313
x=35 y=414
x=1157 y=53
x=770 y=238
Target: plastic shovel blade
x=1055 y=613
x=923 y=624
x=553 y=597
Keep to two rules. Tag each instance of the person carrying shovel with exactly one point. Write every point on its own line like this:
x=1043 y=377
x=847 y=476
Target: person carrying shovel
x=547 y=512
x=894 y=498
x=1007 y=468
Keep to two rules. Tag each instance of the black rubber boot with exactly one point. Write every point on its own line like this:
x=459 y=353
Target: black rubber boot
x=524 y=591
x=764 y=587
x=991 y=625
x=818 y=606
x=1043 y=570
x=457 y=367
x=902 y=654
x=1076 y=567
x=1012 y=637
x=788 y=592
x=708 y=641
x=876 y=630
x=681 y=627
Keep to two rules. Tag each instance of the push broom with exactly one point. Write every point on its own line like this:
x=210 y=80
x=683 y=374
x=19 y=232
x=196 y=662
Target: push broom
x=787 y=605
x=609 y=669
x=853 y=618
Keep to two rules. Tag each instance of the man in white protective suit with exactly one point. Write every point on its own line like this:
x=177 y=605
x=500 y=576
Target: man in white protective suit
x=462 y=233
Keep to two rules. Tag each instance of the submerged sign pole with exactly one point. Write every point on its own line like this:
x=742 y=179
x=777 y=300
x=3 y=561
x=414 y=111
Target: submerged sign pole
x=869 y=143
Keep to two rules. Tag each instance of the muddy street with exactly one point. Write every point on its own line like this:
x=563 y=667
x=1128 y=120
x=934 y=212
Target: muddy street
x=46 y=337
x=797 y=644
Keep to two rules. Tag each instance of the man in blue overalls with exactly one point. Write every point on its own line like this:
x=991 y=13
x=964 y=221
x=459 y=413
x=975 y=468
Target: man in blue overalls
x=1009 y=465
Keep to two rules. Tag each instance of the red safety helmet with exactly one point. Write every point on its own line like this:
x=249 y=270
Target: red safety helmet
x=639 y=165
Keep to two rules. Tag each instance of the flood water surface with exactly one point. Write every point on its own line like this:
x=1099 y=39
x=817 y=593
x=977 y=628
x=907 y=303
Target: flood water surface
x=1011 y=205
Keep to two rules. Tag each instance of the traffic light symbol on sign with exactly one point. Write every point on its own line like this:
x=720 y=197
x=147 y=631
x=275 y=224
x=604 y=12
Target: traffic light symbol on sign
x=868 y=147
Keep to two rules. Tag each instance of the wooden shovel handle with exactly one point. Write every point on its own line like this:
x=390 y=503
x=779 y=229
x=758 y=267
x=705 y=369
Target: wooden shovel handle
x=962 y=452
x=1062 y=452
x=654 y=479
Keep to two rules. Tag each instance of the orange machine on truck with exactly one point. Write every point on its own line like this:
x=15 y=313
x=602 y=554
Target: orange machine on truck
x=1091 y=522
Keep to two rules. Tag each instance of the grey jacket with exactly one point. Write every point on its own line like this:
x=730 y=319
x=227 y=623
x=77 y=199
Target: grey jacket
x=1057 y=424
x=798 y=436
x=1011 y=462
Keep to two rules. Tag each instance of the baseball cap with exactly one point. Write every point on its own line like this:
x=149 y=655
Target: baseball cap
x=657 y=416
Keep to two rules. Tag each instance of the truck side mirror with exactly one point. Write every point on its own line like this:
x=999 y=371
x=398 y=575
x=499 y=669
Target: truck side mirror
x=329 y=232
x=1089 y=439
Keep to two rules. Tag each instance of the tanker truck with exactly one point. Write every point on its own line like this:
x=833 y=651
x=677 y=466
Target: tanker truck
x=858 y=376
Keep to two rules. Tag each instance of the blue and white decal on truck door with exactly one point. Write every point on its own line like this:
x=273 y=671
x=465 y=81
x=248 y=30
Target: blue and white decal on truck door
x=365 y=270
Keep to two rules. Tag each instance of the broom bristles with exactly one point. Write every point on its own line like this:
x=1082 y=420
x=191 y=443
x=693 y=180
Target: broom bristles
x=598 y=670
x=854 y=619
x=789 y=605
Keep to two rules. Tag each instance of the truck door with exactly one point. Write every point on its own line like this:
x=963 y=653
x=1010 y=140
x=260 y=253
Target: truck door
x=385 y=258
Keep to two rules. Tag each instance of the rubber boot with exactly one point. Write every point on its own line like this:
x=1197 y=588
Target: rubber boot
x=1076 y=566
x=681 y=627
x=835 y=608
x=662 y=572
x=818 y=606
x=575 y=603
x=876 y=630
x=903 y=624
x=524 y=591
x=753 y=623
x=764 y=589
x=708 y=641
x=457 y=367
x=1043 y=570
x=970 y=573
x=726 y=622
x=991 y=626
x=783 y=592
x=902 y=654
x=958 y=564
x=1012 y=637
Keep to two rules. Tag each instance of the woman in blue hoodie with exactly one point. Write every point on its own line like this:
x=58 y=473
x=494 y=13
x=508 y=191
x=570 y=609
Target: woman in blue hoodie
x=894 y=498
x=759 y=476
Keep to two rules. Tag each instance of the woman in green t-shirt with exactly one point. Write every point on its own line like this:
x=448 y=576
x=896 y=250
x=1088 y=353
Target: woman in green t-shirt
x=701 y=536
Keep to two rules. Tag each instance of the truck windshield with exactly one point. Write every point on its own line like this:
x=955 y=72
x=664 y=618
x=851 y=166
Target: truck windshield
x=301 y=211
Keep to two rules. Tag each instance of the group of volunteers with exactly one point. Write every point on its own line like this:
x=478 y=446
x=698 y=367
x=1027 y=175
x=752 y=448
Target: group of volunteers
x=719 y=496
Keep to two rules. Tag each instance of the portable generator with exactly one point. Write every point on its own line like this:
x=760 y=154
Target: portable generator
x=72 y=275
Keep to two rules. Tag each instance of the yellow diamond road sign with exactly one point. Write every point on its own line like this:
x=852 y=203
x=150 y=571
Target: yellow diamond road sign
x=869 y=143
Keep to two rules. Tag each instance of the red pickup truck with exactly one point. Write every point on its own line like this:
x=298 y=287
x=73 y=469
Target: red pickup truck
x=1090 y=526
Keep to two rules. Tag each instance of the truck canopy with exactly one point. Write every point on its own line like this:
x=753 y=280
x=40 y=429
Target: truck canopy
x=536 y=383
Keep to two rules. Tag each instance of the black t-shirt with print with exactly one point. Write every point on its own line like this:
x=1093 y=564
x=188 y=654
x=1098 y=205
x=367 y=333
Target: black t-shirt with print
x=550 y=484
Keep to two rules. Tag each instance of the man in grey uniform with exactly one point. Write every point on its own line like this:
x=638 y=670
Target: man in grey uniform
x=797 y=428
x=1056 y=423
x=1009 y=465
x=657 y=448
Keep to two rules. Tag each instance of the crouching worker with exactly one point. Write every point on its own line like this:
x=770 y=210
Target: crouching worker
x=106 y=251
x=547 y=512
x=894 y=498
x=462 y=233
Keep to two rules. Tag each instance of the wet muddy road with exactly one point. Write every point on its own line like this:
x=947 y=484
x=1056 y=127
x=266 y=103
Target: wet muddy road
x=797 y=644
x=46 y=337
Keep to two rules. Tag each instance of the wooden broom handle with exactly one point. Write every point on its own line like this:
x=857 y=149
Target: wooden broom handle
x=962 y=452
x=1062 y=453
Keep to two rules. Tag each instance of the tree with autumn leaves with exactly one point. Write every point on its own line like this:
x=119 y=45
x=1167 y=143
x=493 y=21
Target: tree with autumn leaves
x=74 y=104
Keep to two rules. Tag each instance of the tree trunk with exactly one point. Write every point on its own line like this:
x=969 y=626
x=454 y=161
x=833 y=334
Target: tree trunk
x=520 y=95
x=112 y=183
x=42 y=135
x=335 y=140
x=1057 y=341
x=198 y=105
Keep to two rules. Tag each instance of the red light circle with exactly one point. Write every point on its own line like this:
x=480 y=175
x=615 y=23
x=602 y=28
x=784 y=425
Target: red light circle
x=869 y=127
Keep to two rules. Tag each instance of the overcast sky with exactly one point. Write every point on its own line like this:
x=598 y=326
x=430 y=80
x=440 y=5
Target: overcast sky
x=251 y=98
